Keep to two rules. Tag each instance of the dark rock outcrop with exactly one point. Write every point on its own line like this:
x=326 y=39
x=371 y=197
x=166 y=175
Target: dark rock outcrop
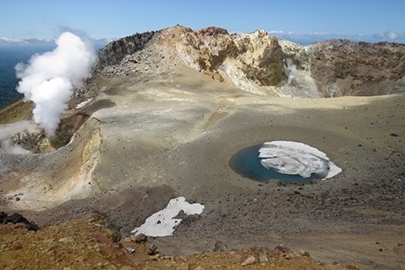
x=17 y=218
x=115 y=51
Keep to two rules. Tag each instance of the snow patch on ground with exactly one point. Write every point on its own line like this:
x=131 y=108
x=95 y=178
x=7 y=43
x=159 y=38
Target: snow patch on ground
x=162 y=223
x=84 y=103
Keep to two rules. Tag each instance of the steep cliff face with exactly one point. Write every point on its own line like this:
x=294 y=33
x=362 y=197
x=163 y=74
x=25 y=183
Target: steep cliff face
x=247 y=61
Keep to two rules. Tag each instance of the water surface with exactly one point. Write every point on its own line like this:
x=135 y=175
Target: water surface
x=246 y=162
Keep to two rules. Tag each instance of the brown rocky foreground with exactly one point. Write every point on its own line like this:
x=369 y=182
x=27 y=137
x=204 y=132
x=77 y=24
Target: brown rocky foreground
x=85 y=244
x=158 y=127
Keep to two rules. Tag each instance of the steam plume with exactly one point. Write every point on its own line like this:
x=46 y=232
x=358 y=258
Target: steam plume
x=48 y=80
x=292 y=71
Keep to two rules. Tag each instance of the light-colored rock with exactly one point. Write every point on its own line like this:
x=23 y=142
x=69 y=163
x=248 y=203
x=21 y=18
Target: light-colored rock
x=263 y=258
x=66 y=240
x=249 y=261
x=291 y=256
x=130 y=250
x=247 y=61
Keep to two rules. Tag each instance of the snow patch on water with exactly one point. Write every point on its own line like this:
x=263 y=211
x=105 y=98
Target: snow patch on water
x=295 y=158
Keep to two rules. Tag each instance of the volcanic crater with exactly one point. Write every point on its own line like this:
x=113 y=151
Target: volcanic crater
x=168 y=110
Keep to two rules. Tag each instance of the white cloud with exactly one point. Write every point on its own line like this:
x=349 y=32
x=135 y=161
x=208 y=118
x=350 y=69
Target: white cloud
x=310 y=37
x=392 y=35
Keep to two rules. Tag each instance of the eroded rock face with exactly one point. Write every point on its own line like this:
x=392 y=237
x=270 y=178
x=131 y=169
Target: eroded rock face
x=241 y=59
x=261 y=64
x=343 y=67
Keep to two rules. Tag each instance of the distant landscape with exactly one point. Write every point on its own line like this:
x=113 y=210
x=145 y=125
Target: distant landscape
x=11 y=55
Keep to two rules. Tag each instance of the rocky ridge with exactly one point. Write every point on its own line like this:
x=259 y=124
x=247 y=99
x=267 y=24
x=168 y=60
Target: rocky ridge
x=346 y=68
x=261 y=64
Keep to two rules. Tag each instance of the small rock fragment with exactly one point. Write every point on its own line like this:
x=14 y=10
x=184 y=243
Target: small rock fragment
x=130 y=250
x=280 y=249
x=303 y=253
x=249 y=261
x=177 y=258
x=262 y=258
x=291 y=256
x=66 y=240
x=152 y=250
x=48 y=241
x=219 y=245
x=80 y=259
x=141 y=238
x=132 y=237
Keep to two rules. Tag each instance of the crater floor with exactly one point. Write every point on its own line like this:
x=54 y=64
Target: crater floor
x=155 y=136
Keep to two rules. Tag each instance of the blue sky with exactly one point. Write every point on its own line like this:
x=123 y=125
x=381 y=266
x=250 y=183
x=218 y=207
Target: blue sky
x=361 y=19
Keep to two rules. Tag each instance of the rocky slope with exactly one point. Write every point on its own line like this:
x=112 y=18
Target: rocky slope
x=261 y=64
x=86 y=244
x=164 y=114
x=345 y=68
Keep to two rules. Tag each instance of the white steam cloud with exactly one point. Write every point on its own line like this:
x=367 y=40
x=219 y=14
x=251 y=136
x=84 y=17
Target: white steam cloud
x=292 y=71
x=48 y=80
